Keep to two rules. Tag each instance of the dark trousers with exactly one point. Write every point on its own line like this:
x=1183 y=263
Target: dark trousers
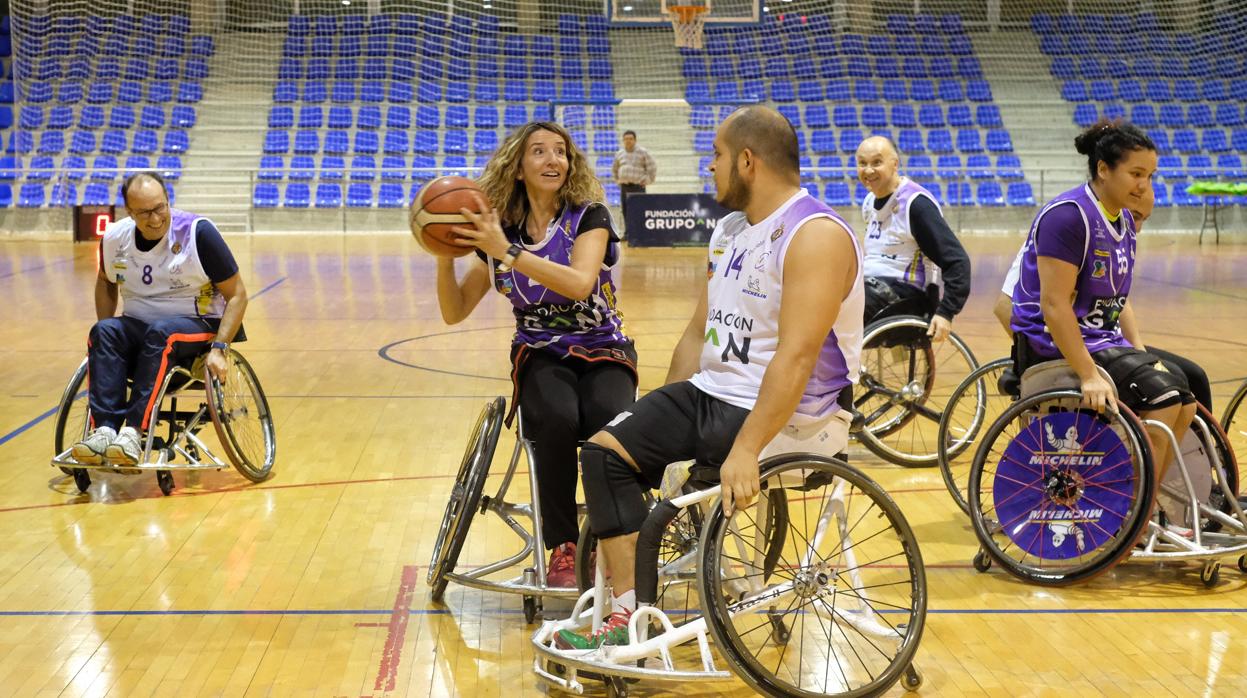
x=564 y=402
x=624 y=191
x=123 y=348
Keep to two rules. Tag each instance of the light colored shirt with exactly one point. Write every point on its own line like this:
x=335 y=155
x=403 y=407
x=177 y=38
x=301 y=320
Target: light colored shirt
x=636 y=167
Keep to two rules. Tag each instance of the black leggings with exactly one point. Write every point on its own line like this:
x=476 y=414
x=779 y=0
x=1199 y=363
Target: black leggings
x=1196 y=378
x=564 y=402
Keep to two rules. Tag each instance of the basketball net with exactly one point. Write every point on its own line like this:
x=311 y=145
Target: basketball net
x=687 y=21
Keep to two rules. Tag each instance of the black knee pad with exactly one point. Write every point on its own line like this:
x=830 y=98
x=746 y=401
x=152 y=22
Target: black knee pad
x=615 y=499
x=1153 y=386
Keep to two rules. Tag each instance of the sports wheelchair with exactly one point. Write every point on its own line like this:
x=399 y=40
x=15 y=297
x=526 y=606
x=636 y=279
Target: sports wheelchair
x=1059 y=494
x=237 y=409
x=467 y=498
x=818 y=589
x=906 y=383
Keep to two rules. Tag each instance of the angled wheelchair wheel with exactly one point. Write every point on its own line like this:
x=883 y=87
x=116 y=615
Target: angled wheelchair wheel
x=73 y=416
x=905 y=385
x=971 y=409
x=848 y=589
x=1059 y=493
x=1234 y=423
x=242 y=418
x=1198 y=449
x=465 y=495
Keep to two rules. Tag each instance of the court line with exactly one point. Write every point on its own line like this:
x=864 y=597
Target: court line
x=516 y=611
x=45 y=265
x=395 y=637
x=20 y=430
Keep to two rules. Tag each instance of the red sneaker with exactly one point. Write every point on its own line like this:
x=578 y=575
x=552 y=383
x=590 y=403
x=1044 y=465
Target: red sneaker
x=561 y=572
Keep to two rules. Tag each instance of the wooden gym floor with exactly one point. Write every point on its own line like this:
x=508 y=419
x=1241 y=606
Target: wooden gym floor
x=312 y=583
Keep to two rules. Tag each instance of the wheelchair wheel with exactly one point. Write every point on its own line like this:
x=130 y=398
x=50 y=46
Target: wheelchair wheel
x=1059 y=493
x=73 y=416
x=973 y=406
x=849 y=585
x=1235 y=423
x=242 y=418
x=906 y=383
x=1224 y=450
x=465 y=495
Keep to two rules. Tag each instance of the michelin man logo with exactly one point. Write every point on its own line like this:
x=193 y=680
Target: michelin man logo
x=1069 y=444
x=1061 y=531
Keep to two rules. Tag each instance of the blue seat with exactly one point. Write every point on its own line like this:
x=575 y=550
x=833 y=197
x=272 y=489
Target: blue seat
x=931 y=116
x=1185 y=141
x=998 y=141
x=849 y=140
x=51 y=142
x=1226 y=115
x=456 y=116
x=363 y=168
x=701 y=116
x=40 y=168
x=949 y=167
x=816 y=116
x=978 y=91
x=938 y=141
x=367 y=142
x=31 y=118
x=359 y=195
x=1162 y=195
x=1200 y=167
x=988 y=116
x=176 y=142
x=1009 y=167
x=874 y=116
x=455 y=142
x=398 y=117
x=1186 y=90
x=456 y=165
x=390 y=195
x=114 y=142
x=1141 y=115
x=96 y=194
x=1238 y=140
x=1074 y=91
x=137 y=163
x=830 y=167
x=306 y=142
x=844 y=116
x=400 y=93
x=285 y=91
x=188 y=92
x=514 y=115
x=281 y=117
x=30 y=195
x=337 y=142
x=425 y=142
x=1020 y=194
x=1231 y=166
x=1160 y=138
x=423 y=168
x=74 y=167
x=703 y=142
x=837 y=194
x=328 y=195
x=979 y=167
x=1200 y=116
x=989 y=194
x=60 y=117
x=782 y=91
x=487 y=141
x=302 y=168
x=272 y=168
x=969 y=141
x=82 y=143
x=1213 y=140
x=394 y=168
x=924 y=90
x=485 y=116
x=343 y=92
x=909 y=140
x=396 y=142
x=1172 y=116
x=104 y=168
x=951 y=91
x=919 y=167
x=428 y=116
x=311 y=116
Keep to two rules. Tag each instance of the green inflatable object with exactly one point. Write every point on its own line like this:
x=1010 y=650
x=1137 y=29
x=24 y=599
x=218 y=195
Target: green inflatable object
x=1225 y=188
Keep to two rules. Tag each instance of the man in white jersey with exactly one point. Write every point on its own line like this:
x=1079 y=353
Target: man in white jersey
x=907 y=238
x=181 y=291
x=763 y=367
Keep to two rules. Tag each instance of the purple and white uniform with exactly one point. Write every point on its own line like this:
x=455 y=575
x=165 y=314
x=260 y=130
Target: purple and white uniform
x=547 y=320
x=1074 y=228
x=742 y=324
x=892 y=252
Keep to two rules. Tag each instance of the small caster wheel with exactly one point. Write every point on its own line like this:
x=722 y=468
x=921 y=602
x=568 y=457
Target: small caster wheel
x=164 y=479
x=532 y=608
x=616 y=687
x=1242 y=563
x=557 y=669
x=982 y=562
x=67 y=471
x=82 y=479
x=779 y=631
x=1211 y=574
x=911 y=679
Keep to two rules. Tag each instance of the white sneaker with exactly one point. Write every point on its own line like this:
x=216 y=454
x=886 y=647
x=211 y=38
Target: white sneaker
x=90 y=451
x=125 y=449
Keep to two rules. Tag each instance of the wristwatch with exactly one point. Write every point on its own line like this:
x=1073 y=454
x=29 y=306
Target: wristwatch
x=508 y=260
x=223 y=346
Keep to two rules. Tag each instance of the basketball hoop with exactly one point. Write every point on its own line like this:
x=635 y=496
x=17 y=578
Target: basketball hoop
x=687 y=21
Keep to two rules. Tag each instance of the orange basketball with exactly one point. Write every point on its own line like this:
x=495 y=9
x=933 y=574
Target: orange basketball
x=435 y=211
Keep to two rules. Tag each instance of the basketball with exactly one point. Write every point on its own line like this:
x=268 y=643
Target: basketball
x=435 y=212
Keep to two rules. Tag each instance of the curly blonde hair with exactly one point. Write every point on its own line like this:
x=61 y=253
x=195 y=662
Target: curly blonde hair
x=500 y=180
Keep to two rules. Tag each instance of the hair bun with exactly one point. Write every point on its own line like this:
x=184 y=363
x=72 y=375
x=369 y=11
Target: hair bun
x=1086 y=141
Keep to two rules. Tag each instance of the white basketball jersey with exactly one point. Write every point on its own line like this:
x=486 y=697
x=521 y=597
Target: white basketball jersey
x=891 y=250
x=742 y=325
x=166 y=281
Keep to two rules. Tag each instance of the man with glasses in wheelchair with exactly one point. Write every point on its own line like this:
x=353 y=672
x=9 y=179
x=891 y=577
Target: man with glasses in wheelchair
x=181 y=290
x=763 y=366
x=906 y=233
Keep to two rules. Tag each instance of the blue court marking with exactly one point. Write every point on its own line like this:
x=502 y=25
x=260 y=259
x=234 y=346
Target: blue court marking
x=25 y=427
x=446 y=611
x=45 y=265
x=384 y=352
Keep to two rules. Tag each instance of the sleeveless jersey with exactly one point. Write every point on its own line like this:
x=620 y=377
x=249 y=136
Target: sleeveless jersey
x=1102 y=285
x=546 y=319
x=167 y=280
x=742 y=325
x=891 y=250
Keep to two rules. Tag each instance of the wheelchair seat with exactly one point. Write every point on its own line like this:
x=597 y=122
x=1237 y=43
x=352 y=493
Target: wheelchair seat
x=1056 y=374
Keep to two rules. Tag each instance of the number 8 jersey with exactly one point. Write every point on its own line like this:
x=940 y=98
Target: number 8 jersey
x=168 y=280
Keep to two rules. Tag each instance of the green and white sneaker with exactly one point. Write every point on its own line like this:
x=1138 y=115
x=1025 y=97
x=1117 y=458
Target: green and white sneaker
x=613 y=632
x=90 y=451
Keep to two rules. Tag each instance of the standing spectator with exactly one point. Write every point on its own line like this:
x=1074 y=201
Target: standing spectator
x=634 y=169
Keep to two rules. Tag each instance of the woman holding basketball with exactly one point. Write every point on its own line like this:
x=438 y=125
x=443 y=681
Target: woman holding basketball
x=545 y=240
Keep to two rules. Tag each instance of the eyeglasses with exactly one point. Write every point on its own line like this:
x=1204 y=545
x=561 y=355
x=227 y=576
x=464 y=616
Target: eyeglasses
x=158 y=211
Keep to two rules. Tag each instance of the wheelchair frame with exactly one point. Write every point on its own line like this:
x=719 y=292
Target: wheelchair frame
x=455 y=525
x=159 y=452
x=561 y=668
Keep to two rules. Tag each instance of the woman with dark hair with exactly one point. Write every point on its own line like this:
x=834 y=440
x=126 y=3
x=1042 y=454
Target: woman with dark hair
x=546 y=241
x=1071 y=297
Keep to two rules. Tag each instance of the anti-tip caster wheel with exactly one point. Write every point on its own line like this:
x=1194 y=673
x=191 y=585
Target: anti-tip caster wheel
x=164 y=479
x=1211 y=574
x=982 y=562
x=911 y=679
x=82 y=479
